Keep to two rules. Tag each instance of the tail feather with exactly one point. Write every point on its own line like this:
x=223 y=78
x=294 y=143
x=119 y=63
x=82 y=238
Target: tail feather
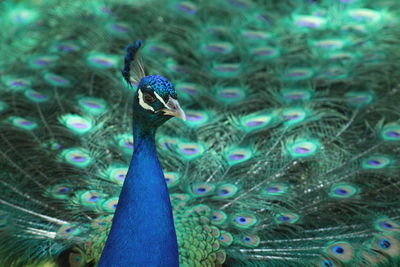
x=288 y=156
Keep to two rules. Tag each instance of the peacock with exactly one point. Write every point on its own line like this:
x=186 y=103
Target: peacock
x=285 y=151
x=147 y=217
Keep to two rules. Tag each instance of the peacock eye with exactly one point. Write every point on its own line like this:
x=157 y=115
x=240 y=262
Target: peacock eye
x=148 y=98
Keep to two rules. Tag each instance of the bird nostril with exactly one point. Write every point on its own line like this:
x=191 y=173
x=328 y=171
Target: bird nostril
x=171 y=105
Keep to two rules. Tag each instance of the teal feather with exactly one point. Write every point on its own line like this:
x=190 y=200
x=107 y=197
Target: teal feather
x=288 y=157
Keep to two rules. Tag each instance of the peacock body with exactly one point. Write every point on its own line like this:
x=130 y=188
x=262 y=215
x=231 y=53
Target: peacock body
x=289 y=155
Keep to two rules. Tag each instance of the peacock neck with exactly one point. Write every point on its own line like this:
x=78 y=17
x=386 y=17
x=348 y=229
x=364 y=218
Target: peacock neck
x=142 y=232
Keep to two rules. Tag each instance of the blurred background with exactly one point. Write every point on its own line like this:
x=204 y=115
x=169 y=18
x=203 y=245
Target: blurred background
x=292 y=123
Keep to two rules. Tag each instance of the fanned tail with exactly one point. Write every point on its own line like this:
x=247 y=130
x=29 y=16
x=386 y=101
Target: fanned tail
x=288 y=157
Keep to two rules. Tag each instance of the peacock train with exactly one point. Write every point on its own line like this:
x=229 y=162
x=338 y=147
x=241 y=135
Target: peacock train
x=235 y=133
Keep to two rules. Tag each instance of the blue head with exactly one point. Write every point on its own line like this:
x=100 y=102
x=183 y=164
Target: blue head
x=155 y=102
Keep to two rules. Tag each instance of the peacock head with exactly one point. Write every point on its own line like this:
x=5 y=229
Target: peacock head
x=155 y=102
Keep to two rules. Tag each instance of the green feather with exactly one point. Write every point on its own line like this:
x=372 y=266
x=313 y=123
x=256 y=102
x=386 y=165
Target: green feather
x=288 y=157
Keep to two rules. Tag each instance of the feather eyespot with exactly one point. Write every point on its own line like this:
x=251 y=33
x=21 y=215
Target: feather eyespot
x=249 y=241
x=275 y=189
x=376 y=162
x=387 y=244
x=225 y=238
x=89 y=199
x=109 y=205
x=116 y=174
x=68 y=230
x=327 y=263
x=384 y=243
x=36 y=96
x=56 y=80
x=201 y=189
x=75 y=259
x=101 y=61
x=338 y=250
x=387 y=225
x=76 y=156
x=218 y=217
x=225 y=191
x=264 y=53
x=287 y=218
x=293 y=116
x=23 y=123
x=244 y=220
x=60 y=191
x=172 y=179
x=341 y=251
x=92 y=105
x=77 y=124
x=17 y=83
x=358 y=98
x=238 y=155
x=343 y=190
x=102 y=223
x=303 y=148
x=391 y=132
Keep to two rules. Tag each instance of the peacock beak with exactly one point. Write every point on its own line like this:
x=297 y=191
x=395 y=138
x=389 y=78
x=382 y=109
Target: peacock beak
x=172 y=108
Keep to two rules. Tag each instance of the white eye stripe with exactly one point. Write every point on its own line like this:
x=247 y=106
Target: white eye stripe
x=161 y=100
x=142 y=103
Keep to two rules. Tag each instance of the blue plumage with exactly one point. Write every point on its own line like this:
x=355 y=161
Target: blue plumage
x=131 y=51
x=142 y=232
x=160 y=85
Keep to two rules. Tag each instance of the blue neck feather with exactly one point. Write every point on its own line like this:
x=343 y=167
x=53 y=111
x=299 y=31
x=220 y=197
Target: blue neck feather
x=142 y=232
